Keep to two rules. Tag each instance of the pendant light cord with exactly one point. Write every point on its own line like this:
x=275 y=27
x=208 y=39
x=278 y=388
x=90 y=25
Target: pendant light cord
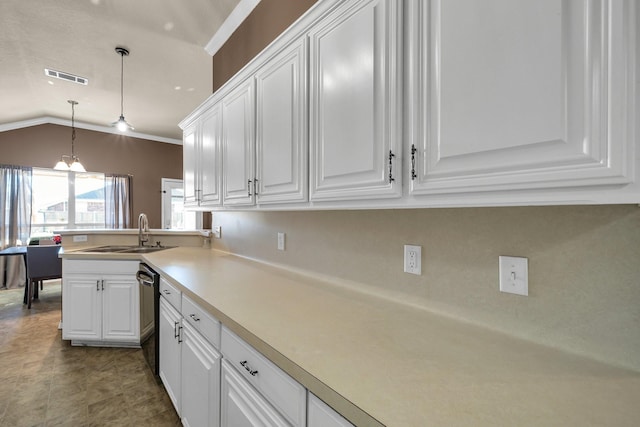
x=122 y=84
x=73 y=129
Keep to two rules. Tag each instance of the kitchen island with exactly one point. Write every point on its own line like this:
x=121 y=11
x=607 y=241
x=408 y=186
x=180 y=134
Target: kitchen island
x=378 y=362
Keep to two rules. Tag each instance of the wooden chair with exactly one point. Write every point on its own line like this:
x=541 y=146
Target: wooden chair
x=43 y=263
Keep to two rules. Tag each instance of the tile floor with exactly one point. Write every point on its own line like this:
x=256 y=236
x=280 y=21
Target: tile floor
x=44 y=381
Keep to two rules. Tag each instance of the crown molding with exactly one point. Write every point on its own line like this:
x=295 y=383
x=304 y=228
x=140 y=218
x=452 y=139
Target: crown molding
x=63 y=122
x=233 y=21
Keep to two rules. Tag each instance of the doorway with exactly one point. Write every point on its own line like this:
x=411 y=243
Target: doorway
x=173 y=214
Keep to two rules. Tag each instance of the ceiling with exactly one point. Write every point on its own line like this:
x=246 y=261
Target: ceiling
x=167 y=74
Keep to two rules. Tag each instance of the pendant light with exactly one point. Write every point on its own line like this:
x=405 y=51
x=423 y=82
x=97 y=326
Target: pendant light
x=71 y=162
x=121 y=123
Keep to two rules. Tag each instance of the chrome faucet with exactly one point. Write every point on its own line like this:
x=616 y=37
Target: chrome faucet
x=143 y=229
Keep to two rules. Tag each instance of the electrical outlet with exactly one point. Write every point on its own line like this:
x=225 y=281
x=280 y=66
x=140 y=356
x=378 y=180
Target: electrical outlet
x=80 y=238
x=217 y=231
x=281 y=238
x=514 y=275
x=413 y=259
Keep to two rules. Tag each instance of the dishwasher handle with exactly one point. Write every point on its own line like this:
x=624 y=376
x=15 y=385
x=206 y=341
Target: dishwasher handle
x=144 y=278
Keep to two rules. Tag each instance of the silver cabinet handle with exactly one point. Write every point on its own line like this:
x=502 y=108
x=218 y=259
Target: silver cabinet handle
x=102 y=282
x=166 y=292
x=195 y=319
x=391 y=156
x=245 y=365
x=98 y=285
x=249 y=187
x=175 y=329
x=413 y=162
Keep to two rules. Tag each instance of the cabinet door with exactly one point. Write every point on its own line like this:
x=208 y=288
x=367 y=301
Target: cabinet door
x=200 y=380
x=238 y=145
x=81 y=307
x=355 y=109
x=190 y=167
x=322 y=415
x=281 y=127
x=120 y=309
x=241 y=405
x=210 y=160
x=170 y=358
x=515 y=94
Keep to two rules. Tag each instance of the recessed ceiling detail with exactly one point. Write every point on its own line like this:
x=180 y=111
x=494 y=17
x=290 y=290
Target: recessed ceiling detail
x=66 y=76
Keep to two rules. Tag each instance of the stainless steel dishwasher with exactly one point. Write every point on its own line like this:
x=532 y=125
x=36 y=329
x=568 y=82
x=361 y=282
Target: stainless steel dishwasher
x=148 y=278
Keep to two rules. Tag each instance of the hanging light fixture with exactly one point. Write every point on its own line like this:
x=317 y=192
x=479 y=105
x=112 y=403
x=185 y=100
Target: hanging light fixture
x=121 y=123
x=71 y=162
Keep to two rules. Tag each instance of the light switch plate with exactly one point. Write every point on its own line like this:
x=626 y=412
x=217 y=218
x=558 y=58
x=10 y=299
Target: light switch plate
x=217 y=231
x=514 y=275
x=281 y=238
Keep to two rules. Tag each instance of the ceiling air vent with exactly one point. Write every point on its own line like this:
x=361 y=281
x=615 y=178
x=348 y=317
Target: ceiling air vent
x=66 y=76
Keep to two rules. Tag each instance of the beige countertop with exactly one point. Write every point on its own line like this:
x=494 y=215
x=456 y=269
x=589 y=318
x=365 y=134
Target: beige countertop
x=379 y=362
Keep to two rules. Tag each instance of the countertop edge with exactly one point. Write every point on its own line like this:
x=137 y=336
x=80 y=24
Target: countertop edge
x=132 y=231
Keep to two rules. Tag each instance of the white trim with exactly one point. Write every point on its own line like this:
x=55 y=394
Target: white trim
x=104 y=129
x=233 y=21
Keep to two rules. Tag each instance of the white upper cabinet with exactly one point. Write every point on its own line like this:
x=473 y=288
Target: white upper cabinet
x=354 y=98
x=422 y=103
x=520 y=95
x=281 y=127
x=210 y=157
x=202 y=160
x=238 y=145
x=190 y=167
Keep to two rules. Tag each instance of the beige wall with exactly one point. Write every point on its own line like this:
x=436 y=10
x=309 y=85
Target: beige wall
x=148 y=161
x=584 y=261
x=584 y=265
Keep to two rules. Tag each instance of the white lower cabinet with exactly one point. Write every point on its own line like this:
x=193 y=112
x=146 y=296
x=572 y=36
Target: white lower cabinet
x=241 y=405
x=200 y=380
x=241 y=389
x=278 y=391
x=170 y=357
x=189 y=362
x=321 y=415
x=101 y=304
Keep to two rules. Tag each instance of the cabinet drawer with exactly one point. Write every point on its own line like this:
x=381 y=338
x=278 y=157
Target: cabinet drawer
x=92 y=266
x=206 y=324
x=171 y=293
x=284 y=393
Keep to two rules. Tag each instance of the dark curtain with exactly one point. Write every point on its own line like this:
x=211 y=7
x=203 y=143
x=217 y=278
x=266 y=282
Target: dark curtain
x=118 y=201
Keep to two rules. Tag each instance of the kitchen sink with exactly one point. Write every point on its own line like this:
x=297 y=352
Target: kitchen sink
x=123 y=249
x=109 y=248
x=144 y=249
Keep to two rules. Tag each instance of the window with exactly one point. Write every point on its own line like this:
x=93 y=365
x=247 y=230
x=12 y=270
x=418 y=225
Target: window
x=173 y=214
x=54 y=208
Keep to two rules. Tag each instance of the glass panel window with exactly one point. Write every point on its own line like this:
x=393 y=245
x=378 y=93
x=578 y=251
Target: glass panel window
x=89 y=189
x=50 y=199
x=66 y=200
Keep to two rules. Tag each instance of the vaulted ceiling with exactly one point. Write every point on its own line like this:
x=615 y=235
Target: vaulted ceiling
x=166 y=75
